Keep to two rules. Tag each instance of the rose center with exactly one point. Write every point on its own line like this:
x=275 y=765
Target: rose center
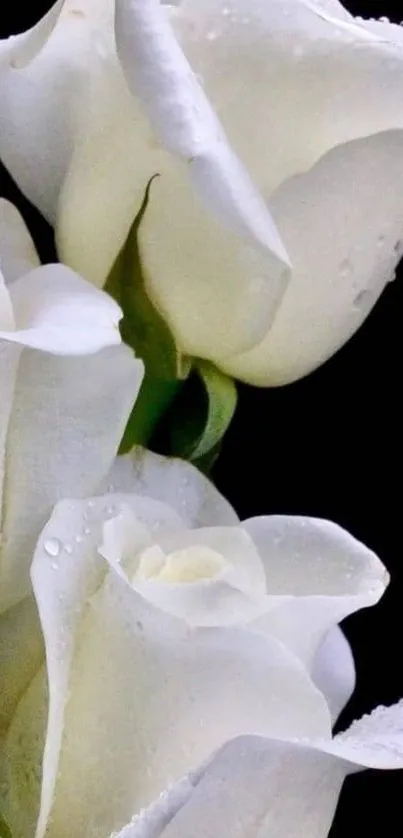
x=190 y=564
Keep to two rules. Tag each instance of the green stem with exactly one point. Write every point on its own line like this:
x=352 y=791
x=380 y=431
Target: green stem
x=155 y=397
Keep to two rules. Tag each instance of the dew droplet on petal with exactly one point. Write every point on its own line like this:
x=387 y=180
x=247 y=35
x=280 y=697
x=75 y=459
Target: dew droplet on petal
x=52 y=546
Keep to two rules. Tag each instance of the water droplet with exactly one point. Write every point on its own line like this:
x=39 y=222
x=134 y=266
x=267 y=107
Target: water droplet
x=52 y=546
x=54 y=565
x=79 y=539
x=87 y=531
x=68 y=549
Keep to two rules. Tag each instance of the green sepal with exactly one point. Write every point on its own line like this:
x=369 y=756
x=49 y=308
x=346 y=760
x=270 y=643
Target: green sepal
x=201 y=415
x=197 y=424
x=143 y=328
x=222 y=399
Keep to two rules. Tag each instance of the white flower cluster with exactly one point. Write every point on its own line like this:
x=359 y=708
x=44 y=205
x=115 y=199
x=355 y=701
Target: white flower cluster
x=167 y=670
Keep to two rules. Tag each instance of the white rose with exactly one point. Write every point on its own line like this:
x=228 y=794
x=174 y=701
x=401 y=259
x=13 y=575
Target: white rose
x=170 y=630
x=288 y=80
x=66 y=393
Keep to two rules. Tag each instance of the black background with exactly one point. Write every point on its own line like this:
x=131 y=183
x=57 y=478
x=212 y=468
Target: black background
x=327 y=446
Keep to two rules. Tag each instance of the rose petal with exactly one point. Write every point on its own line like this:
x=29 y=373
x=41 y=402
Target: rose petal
x=111 y=162
x=104 y=168
x=384 y=30
x=261 y=64
x=98 y=391
x=70 y=90
x=21 y=759
x=57 y=311
x=9 y=359
x=40 y=74
x=274 y=65
x=342 y=222
x=158 y=72
x=174 y=482
x=319 y=573
x=256 y=787
x=124 y=536
x=235 y=545
x=206 y=603
x=135 y=527
x=17 y=251
x=67 y=569
x=242 y=252
x=18 y=51
x=235 y=598
x=151 y=821
x=213 y=684
x=253 y=788
x=334 y=671
x=7 y=320
x=374 y=741
x=21 y=655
